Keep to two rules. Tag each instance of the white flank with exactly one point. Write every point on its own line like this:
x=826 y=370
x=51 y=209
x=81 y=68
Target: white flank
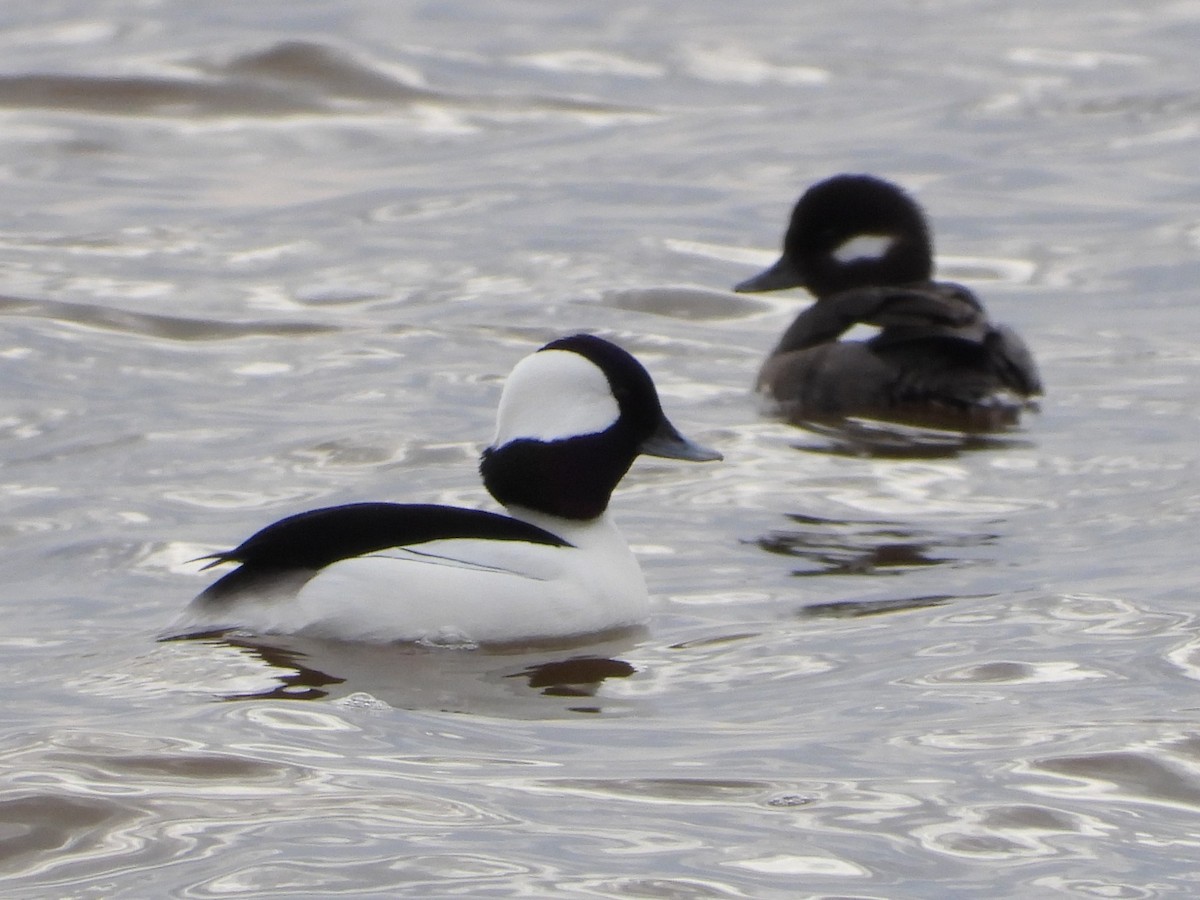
x=474 y=591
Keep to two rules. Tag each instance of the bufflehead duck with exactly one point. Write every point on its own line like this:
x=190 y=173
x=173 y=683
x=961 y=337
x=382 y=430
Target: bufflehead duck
x=572 y=418
x=861 y=246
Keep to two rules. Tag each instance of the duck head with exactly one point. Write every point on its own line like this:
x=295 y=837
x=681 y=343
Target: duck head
x=850 y=231
x=572 y=418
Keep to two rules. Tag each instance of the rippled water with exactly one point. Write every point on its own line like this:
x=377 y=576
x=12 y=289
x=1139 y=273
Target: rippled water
x=258 y=257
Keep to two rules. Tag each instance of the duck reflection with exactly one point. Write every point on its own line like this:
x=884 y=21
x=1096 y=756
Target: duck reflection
x=512 y=681
x=860 y=437
x=846 y=547
x=580 y=676
x=291 y=677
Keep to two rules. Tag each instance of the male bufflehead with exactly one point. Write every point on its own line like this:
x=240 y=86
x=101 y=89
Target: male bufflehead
x=572 y=418
x=861 y=246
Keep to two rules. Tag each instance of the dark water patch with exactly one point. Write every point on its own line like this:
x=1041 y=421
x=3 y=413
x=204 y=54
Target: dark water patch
x=292 y=681
x=856 y=609
x=665 y=888
x=289 y=78
x=994 y=672
x=1036 y=818
x=173 y=328
x=84 y=448
x=329 y=73
x=326 y=71
x=162 y=768
x=1127 y=775
x=679 y=790
x=147 y=95
x=1010 y=832
x=714 y=641
x=34 y=826
x=843 y=547
x=286 y=79
x=1131 y=107
x=890 y=440
x=290 y=678
x=575 y=677
x=688 y=303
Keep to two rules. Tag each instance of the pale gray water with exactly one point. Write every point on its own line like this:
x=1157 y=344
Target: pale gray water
x=263 y=256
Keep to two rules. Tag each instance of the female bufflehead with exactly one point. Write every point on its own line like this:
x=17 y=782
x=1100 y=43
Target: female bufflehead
x=572 y=418
x=861 y=246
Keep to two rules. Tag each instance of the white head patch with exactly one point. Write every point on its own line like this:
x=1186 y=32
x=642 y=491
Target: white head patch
x=554 y=394
x=863 y=247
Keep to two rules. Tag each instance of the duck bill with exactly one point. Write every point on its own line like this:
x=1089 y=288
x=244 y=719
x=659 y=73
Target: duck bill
x=780 y=276
x=668 y=443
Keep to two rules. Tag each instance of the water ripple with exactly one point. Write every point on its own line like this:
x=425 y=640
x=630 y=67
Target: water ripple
x=1010 y=672
x=1138 y=777
x=157 y=325
x=991 y=694
x=685 y=302
x=87 y=806
x=1005 y=832
x=286 y=79
x=661 y=790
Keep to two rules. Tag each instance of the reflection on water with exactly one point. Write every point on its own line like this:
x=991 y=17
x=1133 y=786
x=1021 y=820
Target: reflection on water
x=1010 y=832
x=415 y=677
x=859 y=608
x=39 y=827
x=1169 y=775
x=684 y=303
x=893 y=440
x=172 y=328
x=579 y=676
x=832 y=547
x=286 y=79
x=296 y=681
x=1013 y=672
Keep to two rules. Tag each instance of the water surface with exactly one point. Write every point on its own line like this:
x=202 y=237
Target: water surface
x=261 y=257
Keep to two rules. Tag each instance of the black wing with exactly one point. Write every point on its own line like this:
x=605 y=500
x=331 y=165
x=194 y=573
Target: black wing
x=921 y=310
x=300 y=545
x=314 y=539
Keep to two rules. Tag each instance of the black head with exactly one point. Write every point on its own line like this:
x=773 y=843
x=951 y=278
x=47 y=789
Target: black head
x=847 y=232
x=573 y=417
